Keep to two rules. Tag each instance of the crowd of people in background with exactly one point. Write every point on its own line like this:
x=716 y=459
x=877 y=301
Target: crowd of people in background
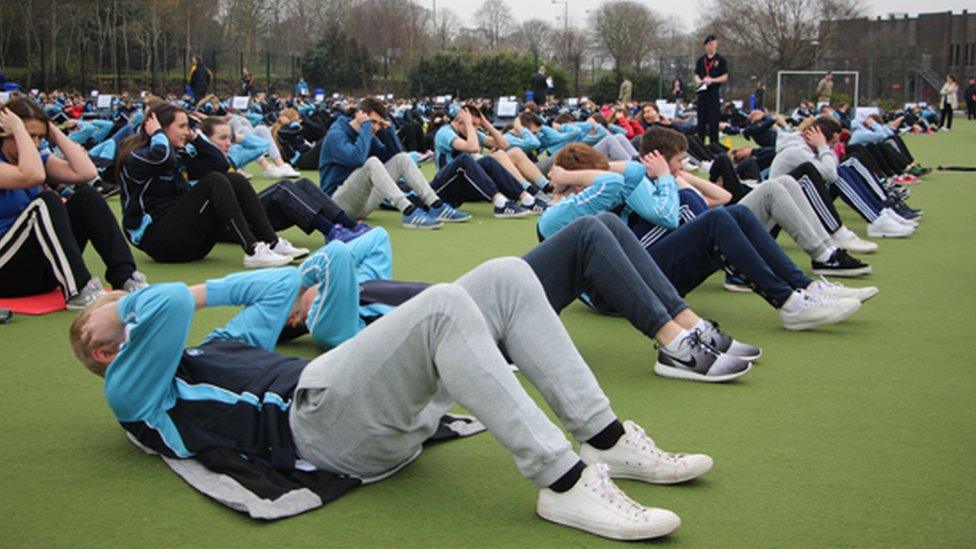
x=633 y=210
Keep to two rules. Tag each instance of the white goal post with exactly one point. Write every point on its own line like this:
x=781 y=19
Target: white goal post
x=779 y=81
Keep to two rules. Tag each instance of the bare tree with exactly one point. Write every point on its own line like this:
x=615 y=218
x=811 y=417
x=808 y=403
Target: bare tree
x=494 y=19
x=448 y=27
x=574 y=44
x=769 y=35
x=627 y=31
x=533 y=37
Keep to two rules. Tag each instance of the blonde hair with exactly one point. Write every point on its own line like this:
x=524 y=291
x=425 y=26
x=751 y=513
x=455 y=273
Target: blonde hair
x=289 y=114
x=81 y=347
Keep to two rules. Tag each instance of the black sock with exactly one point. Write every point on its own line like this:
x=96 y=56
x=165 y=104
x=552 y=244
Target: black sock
x=409 y=210
x=344 y=220
x=322 y=223
x=548 y=188
x=567 y=481
x=437 y=204
x=608 y=437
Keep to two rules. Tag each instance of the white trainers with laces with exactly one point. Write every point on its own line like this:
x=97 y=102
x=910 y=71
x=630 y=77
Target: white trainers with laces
x=283 y=247
x=262 y=256
x=805 y=310
x=893 y=215
x=636 y=457
x=886 y=227
x=853 y=243
x=272 y=172
x=596 y=505
x=833 y=289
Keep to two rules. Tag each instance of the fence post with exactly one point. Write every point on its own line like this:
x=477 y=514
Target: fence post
x=84 y=74
x=267 y=64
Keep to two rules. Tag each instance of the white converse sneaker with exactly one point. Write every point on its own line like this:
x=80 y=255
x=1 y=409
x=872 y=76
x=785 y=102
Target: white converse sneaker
x=886 y=227
x=853 y=243
x=805 y=310
x=283 y=247
x=636 y=457
x=596 y=505
x=833 y=289
x=264 y=257
x=86 y=295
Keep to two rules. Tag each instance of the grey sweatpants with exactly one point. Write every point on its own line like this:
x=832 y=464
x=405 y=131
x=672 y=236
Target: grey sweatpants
x=616 y=147
x=368 y=405
x=780 y=201
x=361 y=193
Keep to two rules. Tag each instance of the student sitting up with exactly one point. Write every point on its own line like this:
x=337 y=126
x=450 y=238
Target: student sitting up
x=42 y=236
x=364 y=409
x=358 y=181
x=172 y=221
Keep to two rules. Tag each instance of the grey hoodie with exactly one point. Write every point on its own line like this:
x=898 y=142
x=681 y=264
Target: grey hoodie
x=792 y=150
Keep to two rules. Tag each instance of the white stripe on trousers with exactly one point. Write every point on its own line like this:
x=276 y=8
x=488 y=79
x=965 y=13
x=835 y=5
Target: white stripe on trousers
x=36 y=218
x=810 y=190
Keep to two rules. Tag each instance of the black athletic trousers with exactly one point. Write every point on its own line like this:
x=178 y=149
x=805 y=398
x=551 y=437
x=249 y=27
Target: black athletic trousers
x=93 y=221
x=946 y=121
x=709 y=114
x=816 y=191
x=190 y=229
x=38 y=252
x=723 y=169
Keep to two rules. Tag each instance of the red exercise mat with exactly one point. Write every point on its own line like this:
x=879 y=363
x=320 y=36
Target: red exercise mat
x=39 y=304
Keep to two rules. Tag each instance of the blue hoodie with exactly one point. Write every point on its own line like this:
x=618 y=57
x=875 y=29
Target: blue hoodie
x=343 y=151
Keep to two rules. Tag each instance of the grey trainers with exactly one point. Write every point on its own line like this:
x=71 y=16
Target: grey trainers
x=136 y=282
x=87 y=294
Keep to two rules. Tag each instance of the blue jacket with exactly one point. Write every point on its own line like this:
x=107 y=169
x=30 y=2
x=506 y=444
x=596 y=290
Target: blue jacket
x=343 y=151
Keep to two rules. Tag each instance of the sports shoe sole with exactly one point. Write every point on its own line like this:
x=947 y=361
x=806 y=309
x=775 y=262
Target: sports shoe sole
x=664 y=370
x=423 y=227
x=737 y=288
x=461 y=220
x=512 y=216
x=844 y=272
x=606 y=531
x=624 y=472
x=266 y=264
x=887 y=235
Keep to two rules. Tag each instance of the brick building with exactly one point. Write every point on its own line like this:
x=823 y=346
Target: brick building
x=903 y=58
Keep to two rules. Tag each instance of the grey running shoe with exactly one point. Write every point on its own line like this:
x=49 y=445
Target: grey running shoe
x=87 y=294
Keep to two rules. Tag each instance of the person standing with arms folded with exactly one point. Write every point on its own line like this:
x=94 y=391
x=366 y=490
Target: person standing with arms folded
x=711 y=71
x=540 y=86
x=950 y=101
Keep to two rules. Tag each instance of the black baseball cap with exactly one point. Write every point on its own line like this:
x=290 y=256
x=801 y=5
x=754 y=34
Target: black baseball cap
x=709 y=38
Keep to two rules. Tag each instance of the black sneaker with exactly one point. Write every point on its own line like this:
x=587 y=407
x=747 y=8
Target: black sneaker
x=724 y=343
x=698 y=361
x=841 y=264
x=105 y=189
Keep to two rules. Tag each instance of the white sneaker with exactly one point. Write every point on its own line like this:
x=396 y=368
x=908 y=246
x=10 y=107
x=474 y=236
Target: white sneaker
x=272 y=172
x=853 y=243
x=705 y=166
x=596 y=505
x=289 y=171
x=264 y=257
x=886 y=227
x=804 y=310
x=832 y=289
x=636 y=457
x=136 y=282
x=283 y=247
x=893 y=215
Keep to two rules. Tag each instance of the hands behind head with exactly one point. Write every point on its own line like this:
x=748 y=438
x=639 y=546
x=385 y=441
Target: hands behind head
x=151 y=125
x=360 y=117
x=655 y=164
x=815 y=137
x=10 y=122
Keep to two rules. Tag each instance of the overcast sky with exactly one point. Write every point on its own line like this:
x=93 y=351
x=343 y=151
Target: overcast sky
x=687 y=9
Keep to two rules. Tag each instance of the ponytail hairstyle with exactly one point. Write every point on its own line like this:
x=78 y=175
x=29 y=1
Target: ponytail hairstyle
x=165 y=113
x=210 y=123
x=289 y=114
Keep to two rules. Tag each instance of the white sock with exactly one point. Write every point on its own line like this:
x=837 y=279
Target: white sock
x=674 y=344
x=528 y=200
x=822 y=258
x=702 y=325
x=500 y=201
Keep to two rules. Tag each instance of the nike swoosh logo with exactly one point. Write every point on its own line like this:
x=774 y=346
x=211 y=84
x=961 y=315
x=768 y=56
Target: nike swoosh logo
x=690 y=363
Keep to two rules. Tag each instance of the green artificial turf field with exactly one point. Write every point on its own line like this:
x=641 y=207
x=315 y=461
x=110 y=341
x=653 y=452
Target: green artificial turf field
x=860 y=434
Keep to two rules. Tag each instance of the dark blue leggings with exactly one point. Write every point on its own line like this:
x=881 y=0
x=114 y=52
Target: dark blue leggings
x=465 y=179
x=730 y=237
